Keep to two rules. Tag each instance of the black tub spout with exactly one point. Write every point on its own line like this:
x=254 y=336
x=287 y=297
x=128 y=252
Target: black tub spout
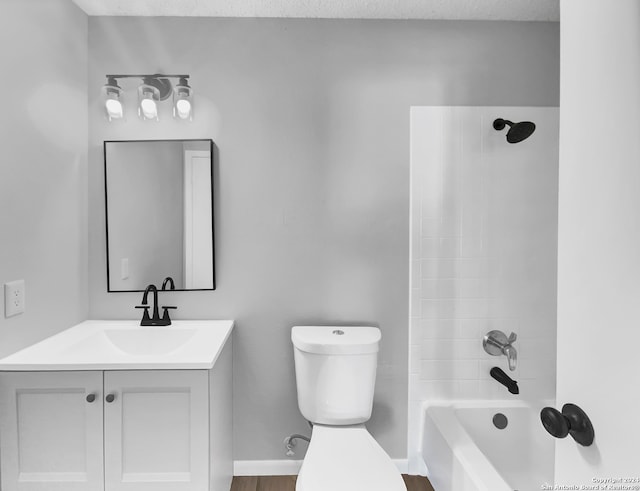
x=505 y=380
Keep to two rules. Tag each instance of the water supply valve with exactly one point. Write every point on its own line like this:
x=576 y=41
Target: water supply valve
x=290 y=442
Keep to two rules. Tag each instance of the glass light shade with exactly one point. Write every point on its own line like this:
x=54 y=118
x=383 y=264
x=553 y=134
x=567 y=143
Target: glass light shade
x=111 y=94
x=183 y=101
x=148 y=98
x=183 y=109
x=149 y=108
x=114 y=109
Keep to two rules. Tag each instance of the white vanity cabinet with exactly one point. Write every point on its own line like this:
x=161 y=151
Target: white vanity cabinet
x=117 y=430
x=51 y=438
x=156 y=430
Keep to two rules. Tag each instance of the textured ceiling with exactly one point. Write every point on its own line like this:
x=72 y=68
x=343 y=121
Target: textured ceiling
x=538 y=10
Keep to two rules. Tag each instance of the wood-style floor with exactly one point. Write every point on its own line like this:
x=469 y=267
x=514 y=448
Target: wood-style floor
x=288 y=483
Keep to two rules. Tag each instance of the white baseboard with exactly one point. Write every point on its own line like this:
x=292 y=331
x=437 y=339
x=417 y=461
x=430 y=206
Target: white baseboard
x=402 y=465
x=285 y=467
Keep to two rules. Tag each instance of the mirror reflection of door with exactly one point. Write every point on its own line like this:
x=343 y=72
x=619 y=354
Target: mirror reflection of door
x=159 y=214
x=198 y=233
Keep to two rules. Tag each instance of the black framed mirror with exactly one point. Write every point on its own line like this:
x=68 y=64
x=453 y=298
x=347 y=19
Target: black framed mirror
x=159 y=214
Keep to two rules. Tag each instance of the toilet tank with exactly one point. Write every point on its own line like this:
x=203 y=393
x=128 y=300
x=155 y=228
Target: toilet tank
x=335 y=372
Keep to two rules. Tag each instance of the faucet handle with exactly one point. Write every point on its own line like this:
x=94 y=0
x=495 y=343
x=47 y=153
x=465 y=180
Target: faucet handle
x=145 y=315
x=512 y=337
x=165 y=316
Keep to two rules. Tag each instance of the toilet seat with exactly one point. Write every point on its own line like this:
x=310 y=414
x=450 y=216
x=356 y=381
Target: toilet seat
x=347 y=458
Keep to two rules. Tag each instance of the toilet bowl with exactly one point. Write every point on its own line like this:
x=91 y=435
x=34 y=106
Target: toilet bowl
x=335 y=379
x=347 y=458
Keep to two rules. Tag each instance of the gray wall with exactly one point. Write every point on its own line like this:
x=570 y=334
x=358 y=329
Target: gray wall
x=43 y=173
x=311 y=123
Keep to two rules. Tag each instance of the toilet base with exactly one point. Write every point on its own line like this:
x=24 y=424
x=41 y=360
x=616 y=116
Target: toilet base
x=347 y=458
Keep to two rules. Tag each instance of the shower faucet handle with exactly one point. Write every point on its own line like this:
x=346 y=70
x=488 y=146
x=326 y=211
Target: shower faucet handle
x=497 y=343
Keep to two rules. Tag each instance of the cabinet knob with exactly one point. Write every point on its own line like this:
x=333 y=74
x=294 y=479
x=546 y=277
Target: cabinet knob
x=91 y=397
x=110 y=398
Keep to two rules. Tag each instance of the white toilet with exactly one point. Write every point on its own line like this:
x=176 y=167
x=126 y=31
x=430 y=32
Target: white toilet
x=335 y=376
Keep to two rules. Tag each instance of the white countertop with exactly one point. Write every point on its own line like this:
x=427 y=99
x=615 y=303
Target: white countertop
x=125 y=345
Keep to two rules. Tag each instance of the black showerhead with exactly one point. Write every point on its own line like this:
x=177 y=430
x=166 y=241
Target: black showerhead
x=517 y=131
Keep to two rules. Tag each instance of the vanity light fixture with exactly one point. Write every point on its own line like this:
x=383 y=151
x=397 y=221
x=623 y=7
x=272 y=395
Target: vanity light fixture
x=148 y=98
x=154 y=88
x=111 y=93
x=183 y=100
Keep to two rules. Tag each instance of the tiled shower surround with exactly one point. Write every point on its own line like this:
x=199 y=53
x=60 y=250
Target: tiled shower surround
x=483 y=253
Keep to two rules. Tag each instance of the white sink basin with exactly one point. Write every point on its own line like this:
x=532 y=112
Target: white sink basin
x=149 y=341
x=124 y=345
x=146 y=340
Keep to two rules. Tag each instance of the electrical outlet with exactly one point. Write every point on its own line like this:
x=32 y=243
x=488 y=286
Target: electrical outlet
x=13 y=298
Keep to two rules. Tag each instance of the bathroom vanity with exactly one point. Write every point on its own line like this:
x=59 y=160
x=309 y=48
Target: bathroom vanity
x=112 y=406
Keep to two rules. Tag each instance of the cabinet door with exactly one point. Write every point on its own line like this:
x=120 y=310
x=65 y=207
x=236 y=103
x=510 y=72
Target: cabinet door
x=51 y=435
x=156 y=430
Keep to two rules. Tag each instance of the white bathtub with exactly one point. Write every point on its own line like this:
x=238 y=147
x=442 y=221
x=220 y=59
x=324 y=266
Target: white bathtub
x=464 y=451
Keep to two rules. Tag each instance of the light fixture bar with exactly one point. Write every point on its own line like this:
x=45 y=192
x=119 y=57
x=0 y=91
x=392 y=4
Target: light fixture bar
x=150 y=75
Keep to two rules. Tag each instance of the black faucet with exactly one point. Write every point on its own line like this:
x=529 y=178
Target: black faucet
x=505 y=380
x=168 y=280
x=155 y=319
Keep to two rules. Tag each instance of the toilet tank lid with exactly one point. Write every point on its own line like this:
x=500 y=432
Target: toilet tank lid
x=336 y=340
